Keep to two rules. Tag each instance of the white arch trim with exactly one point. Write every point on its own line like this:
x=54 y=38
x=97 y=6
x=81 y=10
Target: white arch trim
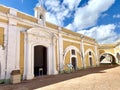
x=108 y=53
x=36 y=30
x=89 y=50
x=70 y=48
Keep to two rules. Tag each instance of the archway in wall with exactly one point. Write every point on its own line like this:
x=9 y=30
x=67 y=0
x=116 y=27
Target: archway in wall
x=73 y=61
x=107 y=59
x=40 y=60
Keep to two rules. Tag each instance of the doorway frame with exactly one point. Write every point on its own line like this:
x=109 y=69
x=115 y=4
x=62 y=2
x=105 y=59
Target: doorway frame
x=76 y=66
x=34 y=37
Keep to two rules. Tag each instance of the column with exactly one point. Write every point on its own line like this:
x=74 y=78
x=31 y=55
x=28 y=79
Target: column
x=60 y=49
x=54 y=56
x=60 y=52
x=29 y=60
x=17 y=63
x=97 y=57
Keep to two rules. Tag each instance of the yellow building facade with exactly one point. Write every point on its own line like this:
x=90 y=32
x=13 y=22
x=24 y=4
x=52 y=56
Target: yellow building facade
x=35 y=47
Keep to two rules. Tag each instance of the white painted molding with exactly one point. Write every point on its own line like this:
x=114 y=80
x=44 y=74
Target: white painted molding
x=91 y=51
x=69 y=48
x=87 y=51
x=108 y=53
x=13 y=11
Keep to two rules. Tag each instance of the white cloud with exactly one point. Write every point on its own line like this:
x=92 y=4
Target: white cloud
x=116 y=16
x=71 y=4
x=50 y=17
x=104 y=15
x=56 y=12
x=103 y=33
x=59 y=11
x=83 y=17
x=88 y=15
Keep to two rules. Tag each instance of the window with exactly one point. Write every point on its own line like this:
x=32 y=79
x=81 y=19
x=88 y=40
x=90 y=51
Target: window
x=90 y=53
x=73 y=52
x=41 y=17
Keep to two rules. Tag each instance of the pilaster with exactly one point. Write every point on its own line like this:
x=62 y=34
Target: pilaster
x=82 y=52
x=61 y=65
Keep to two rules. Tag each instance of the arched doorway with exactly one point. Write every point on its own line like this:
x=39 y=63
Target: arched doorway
x=107 y=59
x=74 y=63
x=40 y=60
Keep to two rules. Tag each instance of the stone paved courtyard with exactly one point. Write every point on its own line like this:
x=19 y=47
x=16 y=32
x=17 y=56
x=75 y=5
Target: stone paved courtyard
x=100 y=78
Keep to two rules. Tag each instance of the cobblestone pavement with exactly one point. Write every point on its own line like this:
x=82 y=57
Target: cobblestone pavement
x=100 y=78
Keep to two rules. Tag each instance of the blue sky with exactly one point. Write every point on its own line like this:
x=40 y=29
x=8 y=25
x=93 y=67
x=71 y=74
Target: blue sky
x=99 y=19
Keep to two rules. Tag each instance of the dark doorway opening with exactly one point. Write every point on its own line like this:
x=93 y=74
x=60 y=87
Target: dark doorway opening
x=74 y=63
x=101 y=58
x=90 y=59
x=40 y=60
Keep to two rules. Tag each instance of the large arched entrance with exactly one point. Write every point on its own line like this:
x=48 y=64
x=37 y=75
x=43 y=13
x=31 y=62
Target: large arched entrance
x=107 y=59
x=40 y=60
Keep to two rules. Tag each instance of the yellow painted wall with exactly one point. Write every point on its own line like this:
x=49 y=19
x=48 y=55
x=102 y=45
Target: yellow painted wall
x=51 y=25
x=4 y=9
x=22 y=25
x=101 y=51
x=67 y=60
x=1 y=36
x=24 y=16
x=70 y=32
x=3 y=20
x=21 y=52
x=71 y=38
x=86 y=47
x=109 y=50
x=89 y=42
x=67 y=44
